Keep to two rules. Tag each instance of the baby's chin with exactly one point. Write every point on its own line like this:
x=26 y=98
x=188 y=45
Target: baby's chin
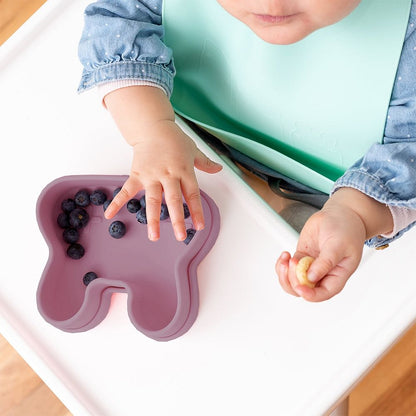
x=282 y=34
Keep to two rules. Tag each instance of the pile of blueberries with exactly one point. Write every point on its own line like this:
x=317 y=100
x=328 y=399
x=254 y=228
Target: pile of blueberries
x=74 y=218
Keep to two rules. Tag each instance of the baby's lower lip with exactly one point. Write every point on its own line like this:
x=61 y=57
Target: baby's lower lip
x=267 y=18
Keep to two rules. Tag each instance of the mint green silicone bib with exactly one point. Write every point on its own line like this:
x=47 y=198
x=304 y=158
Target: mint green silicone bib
x=308 y=110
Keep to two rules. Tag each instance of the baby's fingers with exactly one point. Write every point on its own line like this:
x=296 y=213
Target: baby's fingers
x=328 y=287
x=128 y=191
x=192 y=197
x=282 y=270
x=173 y=197
x=202 y=162
x=153 y=204
x=326 y=272
x=329 y=257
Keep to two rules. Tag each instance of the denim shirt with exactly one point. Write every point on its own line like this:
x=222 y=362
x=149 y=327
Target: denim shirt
x=123 y=40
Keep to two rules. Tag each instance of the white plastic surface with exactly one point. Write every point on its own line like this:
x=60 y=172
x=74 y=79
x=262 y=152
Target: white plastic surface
x=252 y=350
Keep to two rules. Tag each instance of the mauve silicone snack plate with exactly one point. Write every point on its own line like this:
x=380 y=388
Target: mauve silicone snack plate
x=159 y=277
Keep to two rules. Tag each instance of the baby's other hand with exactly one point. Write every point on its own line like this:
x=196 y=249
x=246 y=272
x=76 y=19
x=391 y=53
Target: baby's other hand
x=163 y=162
x=335 y=237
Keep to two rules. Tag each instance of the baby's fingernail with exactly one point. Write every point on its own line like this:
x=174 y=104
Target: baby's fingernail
x=152 y=236
x=313 y=277
x=199 y=226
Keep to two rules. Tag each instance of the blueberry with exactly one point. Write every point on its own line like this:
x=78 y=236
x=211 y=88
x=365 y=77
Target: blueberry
x=141 y=215
x=70 y=235
x=78 y=218
x=68 y=205
x=164 y=213
x=117 y=229
x=189 y=235
x=133 y=205
x=89 y=277
x=116 y=191
x=75 y=251
x=143 y=201
x=106 y=204
x=186 y=212
x=98 y=197
x=82 y=198
x=63 y=220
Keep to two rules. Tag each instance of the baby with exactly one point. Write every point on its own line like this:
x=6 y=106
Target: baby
x=123 y=53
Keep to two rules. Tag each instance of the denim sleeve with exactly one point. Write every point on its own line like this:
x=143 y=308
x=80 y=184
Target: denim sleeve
x=387 y=172
x=123 y=39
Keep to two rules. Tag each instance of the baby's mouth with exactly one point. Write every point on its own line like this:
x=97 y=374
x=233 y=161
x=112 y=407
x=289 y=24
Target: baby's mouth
x=271 y=19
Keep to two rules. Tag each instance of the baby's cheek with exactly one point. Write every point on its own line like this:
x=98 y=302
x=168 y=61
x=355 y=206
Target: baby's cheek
x=322 y=13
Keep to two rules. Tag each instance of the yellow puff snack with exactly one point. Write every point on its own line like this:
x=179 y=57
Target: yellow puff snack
x=301 y=270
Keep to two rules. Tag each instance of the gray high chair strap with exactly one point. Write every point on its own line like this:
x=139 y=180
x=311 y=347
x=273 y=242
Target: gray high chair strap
x=278 y=183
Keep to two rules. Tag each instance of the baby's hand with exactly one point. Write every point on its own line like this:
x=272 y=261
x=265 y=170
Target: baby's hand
x=333 y=236
x=163 y=162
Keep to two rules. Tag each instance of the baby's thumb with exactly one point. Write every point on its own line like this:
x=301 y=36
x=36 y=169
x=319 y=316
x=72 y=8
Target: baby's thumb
x=205 y=164
x=327 y=260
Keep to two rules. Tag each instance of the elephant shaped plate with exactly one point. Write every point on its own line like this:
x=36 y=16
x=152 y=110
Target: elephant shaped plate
x=88 y=263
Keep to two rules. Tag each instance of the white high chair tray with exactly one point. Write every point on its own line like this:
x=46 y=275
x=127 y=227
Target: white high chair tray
x=253 y=349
